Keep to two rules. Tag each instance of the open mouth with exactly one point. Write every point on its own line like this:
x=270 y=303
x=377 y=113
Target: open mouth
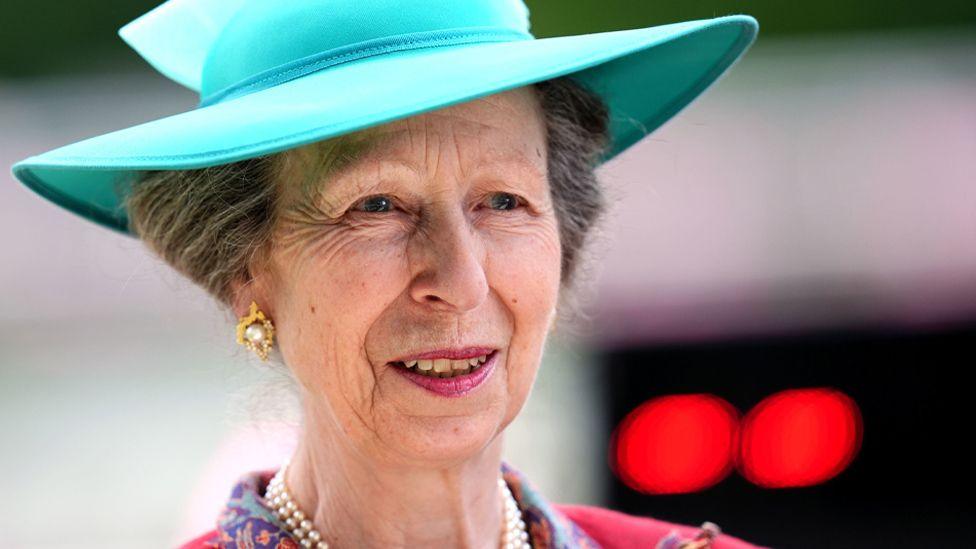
x=443 y=367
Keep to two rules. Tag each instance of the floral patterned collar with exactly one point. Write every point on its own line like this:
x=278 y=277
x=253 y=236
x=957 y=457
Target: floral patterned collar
x=247 y=520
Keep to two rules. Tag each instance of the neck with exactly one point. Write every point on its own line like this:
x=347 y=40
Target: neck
x=355 y=501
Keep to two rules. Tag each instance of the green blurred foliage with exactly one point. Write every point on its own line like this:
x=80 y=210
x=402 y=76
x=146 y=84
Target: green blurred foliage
x=776 y=17
x=45 y=36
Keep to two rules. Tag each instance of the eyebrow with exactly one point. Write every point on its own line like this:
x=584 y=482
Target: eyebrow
x=330 y=160
x=518 y=158
x=339 y=187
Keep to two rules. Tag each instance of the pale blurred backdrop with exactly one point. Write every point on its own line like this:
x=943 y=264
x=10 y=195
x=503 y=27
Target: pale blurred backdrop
x=827 y=182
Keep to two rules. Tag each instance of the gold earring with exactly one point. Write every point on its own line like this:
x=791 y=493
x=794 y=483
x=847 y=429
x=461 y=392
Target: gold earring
x=256 y=332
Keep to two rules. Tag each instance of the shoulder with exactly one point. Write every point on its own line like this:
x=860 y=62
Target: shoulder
x=616 y=530
x=205 y=541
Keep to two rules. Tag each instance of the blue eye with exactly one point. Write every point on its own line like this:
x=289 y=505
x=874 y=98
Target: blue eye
x=376 y=204
x=505 y=201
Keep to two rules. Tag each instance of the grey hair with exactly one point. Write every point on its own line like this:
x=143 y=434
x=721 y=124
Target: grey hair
x=213 y=224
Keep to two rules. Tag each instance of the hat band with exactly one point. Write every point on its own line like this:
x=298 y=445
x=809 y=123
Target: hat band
x=360 y=50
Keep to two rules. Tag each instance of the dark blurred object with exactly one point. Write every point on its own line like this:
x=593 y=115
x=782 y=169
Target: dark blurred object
x=41 y=36
x=908 y=486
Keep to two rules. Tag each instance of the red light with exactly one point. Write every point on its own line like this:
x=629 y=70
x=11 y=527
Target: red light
x=675 y=444
x=799 y=437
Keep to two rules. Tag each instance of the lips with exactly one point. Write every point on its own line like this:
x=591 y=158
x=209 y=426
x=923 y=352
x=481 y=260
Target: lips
x=453 y=383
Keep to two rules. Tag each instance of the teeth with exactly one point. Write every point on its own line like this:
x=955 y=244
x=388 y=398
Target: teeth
x=443 y=367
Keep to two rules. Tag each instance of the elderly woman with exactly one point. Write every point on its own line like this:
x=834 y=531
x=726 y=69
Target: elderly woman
x=393 y=198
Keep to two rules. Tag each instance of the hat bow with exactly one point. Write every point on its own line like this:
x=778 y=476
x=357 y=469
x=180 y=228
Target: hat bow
x=228 y=48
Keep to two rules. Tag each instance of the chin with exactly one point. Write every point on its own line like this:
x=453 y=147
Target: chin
x=445 y=441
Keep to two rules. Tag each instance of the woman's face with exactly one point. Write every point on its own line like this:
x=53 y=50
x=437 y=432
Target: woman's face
x=439 y=234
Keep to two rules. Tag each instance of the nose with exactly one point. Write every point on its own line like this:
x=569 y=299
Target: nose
x=449 y=262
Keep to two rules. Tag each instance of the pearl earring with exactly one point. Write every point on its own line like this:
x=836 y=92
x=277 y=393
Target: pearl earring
x=256 y=332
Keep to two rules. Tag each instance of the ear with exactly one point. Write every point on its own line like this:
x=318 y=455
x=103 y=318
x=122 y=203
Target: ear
x=256 y=284
x=241 y=296
x=244 y=292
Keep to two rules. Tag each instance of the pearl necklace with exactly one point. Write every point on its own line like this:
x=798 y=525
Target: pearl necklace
x=301 y=528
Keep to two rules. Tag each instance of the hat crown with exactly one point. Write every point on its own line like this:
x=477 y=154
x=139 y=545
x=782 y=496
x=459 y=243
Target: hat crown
x=266 y=35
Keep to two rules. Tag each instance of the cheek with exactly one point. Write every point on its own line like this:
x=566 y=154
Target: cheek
x=525 y=266
x=334 y=292
x=524 y=263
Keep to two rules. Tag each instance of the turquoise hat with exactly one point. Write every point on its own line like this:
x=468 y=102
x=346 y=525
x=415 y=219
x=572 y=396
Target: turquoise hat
x=275 y=75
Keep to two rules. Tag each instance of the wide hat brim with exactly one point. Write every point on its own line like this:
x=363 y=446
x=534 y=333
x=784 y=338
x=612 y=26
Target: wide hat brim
x=646 y=76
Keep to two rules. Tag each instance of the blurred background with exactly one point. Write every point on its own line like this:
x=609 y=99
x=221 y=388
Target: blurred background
x=783 y=309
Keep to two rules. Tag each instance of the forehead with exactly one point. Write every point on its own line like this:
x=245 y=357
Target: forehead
x=507 y=127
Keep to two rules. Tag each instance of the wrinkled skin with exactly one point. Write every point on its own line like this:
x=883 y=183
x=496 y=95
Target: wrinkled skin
x=440 y=233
